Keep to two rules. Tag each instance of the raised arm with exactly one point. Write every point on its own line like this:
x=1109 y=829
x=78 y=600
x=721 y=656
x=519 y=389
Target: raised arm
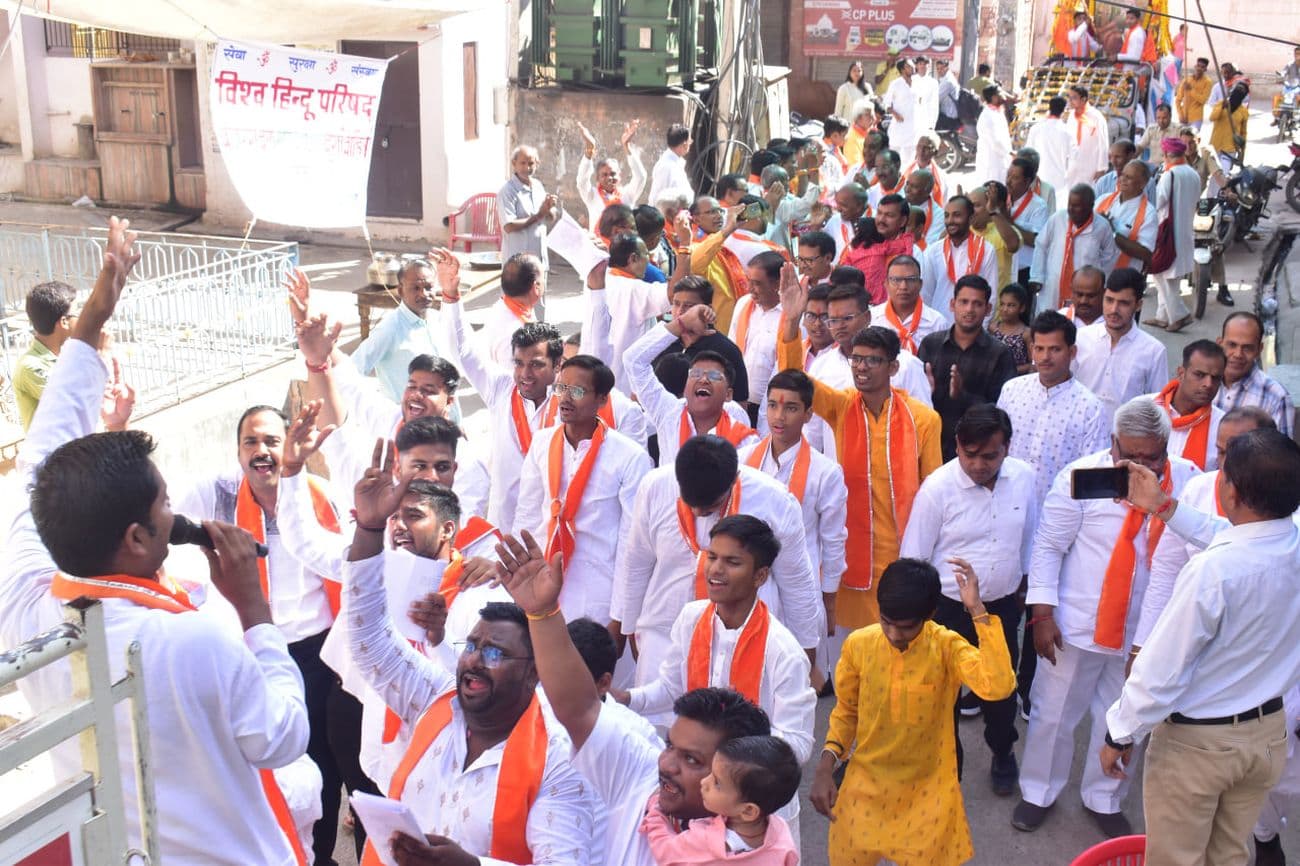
x=661 y=407
x=488 y=378
x=535 y=586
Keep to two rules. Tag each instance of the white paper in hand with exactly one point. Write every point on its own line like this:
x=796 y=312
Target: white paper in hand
x=382 y=818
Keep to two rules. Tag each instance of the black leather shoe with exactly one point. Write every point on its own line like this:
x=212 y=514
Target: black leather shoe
x=1270 y=853
x=1028 y=817
x=1113 y=824
x=1225 y=297
x=1004 y=774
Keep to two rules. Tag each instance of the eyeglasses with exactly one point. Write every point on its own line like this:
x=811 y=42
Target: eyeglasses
x=492 y=656
x=836 y=321
x=902 y=281
x=813 y=318
x=871 y=361
x=807 y=261
x=577 y=392
x=711 y=375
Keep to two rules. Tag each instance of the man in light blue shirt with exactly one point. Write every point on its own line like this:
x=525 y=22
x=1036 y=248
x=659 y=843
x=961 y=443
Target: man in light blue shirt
x=525 y=210
x=411 y=329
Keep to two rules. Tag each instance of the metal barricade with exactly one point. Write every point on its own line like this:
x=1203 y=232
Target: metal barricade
x=85 y=814
x=199 y=311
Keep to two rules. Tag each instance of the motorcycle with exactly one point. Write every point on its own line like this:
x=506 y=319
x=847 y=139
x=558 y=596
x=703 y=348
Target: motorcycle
x=1293 y=184
x=956 y=147
x=1228 y=217
x=1286 y=112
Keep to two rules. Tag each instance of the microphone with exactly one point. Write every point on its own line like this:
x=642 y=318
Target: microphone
x=186 y=531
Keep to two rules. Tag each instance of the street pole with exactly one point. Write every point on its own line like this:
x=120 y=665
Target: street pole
x=970 y=38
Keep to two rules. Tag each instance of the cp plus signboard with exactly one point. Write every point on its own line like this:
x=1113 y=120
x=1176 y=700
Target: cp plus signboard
x=875 y=28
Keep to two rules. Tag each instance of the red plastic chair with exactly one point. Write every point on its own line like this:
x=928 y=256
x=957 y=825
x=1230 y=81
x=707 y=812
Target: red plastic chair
x=1122 y=851
x=480 y=212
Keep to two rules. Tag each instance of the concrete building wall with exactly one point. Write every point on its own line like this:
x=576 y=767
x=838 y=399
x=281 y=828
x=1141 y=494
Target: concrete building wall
x=9 y=92
x=68 y=101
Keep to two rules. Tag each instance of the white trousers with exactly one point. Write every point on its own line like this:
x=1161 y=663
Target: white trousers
x=1169 y=298
x=1081 y=681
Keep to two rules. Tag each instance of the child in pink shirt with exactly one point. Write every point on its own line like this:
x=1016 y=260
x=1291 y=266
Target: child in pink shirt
x=751 y=778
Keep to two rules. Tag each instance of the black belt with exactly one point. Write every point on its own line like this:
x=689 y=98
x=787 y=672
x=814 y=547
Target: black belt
x=1272 y=705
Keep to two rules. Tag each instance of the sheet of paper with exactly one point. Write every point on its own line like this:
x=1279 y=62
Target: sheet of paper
x=407 y=578
x=571 y=241
x=382 y=818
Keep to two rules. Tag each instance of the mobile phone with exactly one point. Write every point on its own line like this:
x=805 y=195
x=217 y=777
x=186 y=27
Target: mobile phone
x=1108 y=483
x=752 y=211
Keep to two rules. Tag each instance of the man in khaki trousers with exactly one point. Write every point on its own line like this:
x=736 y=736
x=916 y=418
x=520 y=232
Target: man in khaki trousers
x=1208 y=682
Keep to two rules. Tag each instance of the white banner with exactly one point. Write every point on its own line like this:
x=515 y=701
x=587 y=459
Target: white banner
x=296 y=130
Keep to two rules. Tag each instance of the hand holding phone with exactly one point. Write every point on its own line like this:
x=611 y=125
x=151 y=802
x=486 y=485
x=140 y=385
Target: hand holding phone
x=1109 y=482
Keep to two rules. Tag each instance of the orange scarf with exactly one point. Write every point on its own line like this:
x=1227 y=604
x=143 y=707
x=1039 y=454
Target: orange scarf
x=733 y=431
x=1197 y=446
x=1067 y=260
x=903 y=469
x=248 y=516
x=521 y=312
x=884 y=192
x=742 y=324
x=1079 y=118
x=798 y=475
x=735 y=273
x=686 y=525
x=519 y=778
x=847 y=238
x=906 y=335
x=609 y=198
x=560 y=531
x=474 y=529
x=936 y=194
x=746 y=673
x=973 y=262
x=1104 y=207
x=519 y=415
x=151 y=594
x=1024 y=203
x=1128 y=34
x=1117 y=587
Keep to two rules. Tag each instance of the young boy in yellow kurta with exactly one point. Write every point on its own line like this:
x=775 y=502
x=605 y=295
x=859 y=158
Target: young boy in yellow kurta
x=900 y=801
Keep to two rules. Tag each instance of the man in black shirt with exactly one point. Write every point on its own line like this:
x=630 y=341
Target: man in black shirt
x=688 y=292
x=965 y=365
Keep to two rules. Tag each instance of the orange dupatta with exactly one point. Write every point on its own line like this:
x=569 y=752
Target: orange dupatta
x=742 y=324
x=248 y=516
x=1067 y=260
x=1197 y=446
x=903 y=470
x=519 y=778
x=561 y=531
x=1117 y=586
x=521 y=312
x=519 y=415
x=798 y=475
x=746 y=673
x=1104 y=206
x=906 y=335
x=973 y=262
x=735 y=273
x=686 y=525
x=151 y=594
x=733 y=431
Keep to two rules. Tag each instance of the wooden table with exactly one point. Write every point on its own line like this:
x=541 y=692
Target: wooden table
x=372 y=297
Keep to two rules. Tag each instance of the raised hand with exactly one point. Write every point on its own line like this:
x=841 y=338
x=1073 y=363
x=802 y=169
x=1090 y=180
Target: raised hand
x=120 y=256
x=232 y=565
x=303 y=439
x=119 y=399
x=447 y=267
x=698 y=320
x=774 y=194
x=794 y=295
x=628 y=131
x=298 y=286
x=682 y=228
x=588 y=140
x=317 y=337
x=532 y=582
x=733 y=216
x=378 y=493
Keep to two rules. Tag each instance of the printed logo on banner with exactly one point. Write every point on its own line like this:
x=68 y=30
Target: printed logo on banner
x=296 y=129
x=877 y=28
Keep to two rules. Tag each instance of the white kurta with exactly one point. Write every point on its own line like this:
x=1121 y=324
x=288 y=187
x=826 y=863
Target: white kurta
x=901 y=97
x=993 y=154
x=654 y=576
x=629 y=190
x=633 y=306
x=220 y=705
x=758 y=348
x=1094 y=246
x=1052 y=427
x=932 y=318
x=602 y=517
x=938 y=286
x=824 y=506
x=1178 y=438
x=622 y=767
x=1091 y=137
x=1137 y=364
x=1029 y=213
x=447 y=797
x=663 y=410
x=1123 y=215
x=1184 y=184
x=499 y=326
x=1056 y=149
x=1172 y=553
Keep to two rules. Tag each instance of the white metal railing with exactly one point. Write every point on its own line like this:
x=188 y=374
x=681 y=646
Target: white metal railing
x=88 y=811
x=199 y=311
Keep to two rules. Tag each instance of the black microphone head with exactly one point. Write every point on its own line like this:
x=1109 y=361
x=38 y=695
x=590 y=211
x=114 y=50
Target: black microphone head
x=186 y=531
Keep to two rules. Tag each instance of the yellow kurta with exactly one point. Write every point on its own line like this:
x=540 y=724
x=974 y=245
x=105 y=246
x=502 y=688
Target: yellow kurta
x=855 y=608
x=1222 y=131
x=900 y=798
x=1191 y=96
x=991 y=234
x=854 y=143
x=705 y=263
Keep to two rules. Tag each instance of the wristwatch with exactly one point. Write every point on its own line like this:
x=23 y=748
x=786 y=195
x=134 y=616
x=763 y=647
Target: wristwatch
x=1110 y=741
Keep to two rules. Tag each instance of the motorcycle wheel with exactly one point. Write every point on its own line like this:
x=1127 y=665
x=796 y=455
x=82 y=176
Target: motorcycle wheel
x=949 y=155
x=1200 y=287
x=1293 y=190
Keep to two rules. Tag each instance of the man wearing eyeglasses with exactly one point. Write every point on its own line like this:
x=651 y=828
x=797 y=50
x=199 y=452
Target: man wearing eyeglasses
x=904 y=311
x=887 y=442
x=577 y=486
x=483 y=768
